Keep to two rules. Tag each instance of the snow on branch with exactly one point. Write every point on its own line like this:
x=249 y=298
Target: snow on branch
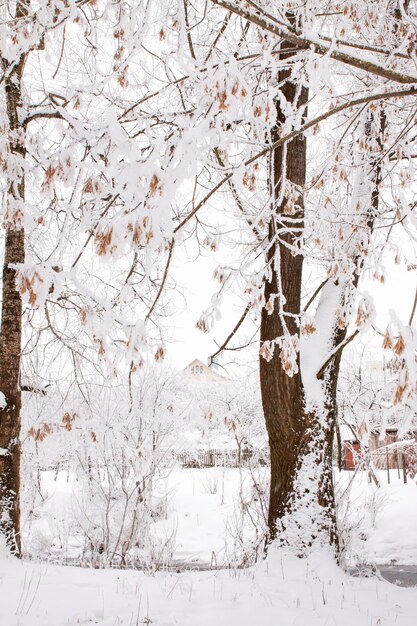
x=311 y=41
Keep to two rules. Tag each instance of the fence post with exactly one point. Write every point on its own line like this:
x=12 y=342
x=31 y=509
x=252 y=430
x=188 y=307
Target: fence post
x=404 y=467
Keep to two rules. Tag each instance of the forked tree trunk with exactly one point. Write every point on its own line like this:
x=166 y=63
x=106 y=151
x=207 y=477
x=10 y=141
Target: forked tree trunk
x=301 y=440
x=11 y=313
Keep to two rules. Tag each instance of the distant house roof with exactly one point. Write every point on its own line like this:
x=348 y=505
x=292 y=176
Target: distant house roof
x=200 y=372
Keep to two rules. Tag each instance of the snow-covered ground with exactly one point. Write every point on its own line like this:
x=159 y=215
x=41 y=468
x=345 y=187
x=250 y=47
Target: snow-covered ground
x=210 y=513
x=206 y=522
x=203 y=516
x=381 y=522
x=280 y=591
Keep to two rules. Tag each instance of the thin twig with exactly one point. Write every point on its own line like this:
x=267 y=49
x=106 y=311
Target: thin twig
x=413 y=309
x=237 y=199
x=230 y=336
x=164 y=277
x=314 y=296
x=90 y=235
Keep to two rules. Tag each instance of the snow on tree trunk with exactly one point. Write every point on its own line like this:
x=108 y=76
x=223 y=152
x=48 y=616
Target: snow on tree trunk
x=281 y=385
x=11 y=314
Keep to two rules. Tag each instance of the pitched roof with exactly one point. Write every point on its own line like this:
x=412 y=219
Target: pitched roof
x=199 y=371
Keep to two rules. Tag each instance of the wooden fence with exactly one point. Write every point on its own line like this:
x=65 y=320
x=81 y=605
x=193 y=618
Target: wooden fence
x=400 y=455
x=222 y=458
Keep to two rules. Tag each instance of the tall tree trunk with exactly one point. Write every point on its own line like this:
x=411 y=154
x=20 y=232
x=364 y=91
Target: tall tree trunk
x=282 y=393
x=10 y=341
x=371 y=210
x=11 y=313
x=300 y=437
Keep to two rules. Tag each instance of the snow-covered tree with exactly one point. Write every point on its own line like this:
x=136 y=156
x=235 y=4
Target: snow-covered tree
x=133 y=126
x=356 y=173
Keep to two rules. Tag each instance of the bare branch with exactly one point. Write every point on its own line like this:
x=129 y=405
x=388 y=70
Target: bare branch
x=230 y=336
x=163 y=281
x=238 y=200
x=315 y=294
x=43 y=115
x=32 y=389
x=413 y=310
x=335 y=352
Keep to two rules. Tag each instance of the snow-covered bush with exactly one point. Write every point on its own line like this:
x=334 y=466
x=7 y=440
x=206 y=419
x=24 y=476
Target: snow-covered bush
x=111 y=450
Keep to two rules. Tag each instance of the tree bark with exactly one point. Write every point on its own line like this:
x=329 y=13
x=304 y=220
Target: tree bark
x=11 y=312
x=301 y=440
x=10 y=341
x=339 y=334
x=282 y=394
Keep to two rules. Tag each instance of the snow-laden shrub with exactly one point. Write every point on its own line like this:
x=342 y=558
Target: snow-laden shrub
x=92 y=470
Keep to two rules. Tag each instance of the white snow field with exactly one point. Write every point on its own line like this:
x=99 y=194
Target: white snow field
x=281 y=590
x=382 y=523
x=209 y=511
